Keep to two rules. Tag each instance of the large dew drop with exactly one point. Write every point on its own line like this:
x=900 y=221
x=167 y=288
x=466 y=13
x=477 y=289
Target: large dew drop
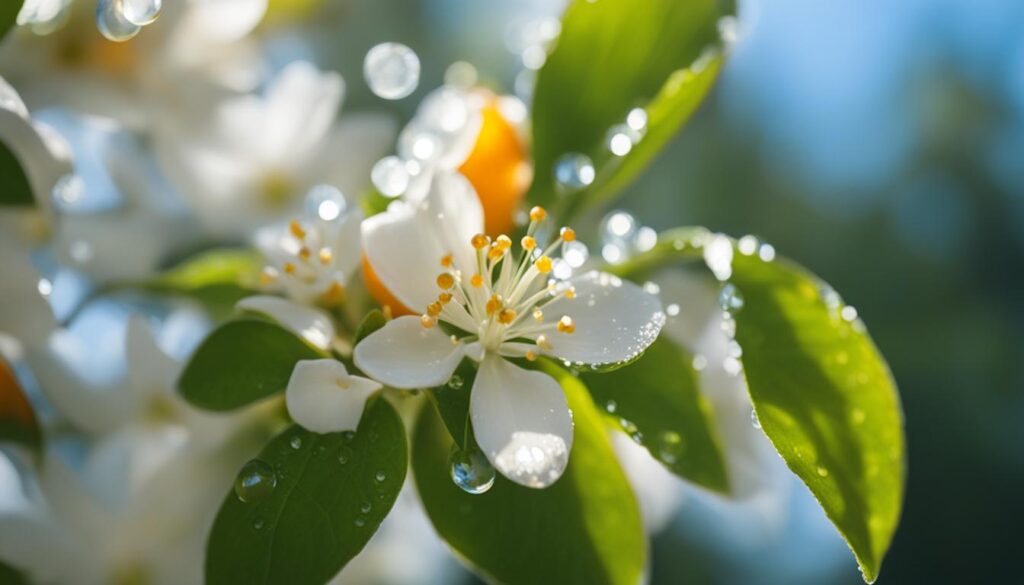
x=390 y=176
x=574 y=171
x=255 y=481
x=392 y=70
x=470 y=470
x=141 y=12
x=111 y=22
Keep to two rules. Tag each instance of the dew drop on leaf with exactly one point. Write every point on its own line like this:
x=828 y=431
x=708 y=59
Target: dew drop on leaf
x=470 y=470
x=255 y=481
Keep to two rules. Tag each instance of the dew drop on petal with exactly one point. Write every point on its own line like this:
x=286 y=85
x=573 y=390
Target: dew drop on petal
x=255 y=481
x=111 y=22
x=574 y=171
x=672 y=310
x=754 y=421
x=730 y=298
x=392 y=70
x=637 y=119
x=470 y=470
x=141 y=12
x=390 y=176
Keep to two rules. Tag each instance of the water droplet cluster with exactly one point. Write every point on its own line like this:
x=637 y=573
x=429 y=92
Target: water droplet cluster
x=121 y=20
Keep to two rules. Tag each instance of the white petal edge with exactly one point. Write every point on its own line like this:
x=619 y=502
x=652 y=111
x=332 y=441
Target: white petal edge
x=323 y=397
x=522 y=422
x=310 y=324
x=615 y=320
x=404 y=354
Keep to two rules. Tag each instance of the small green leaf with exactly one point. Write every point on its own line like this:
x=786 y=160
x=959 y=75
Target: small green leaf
x=613 y=56
x=583 y=529
x=452 y=401
x=332 y=492
x=18 y=422
x=242 y=361
x=826 y=399
x=217 y=278
x=373 y=321
x=658 y=396
x=9 y=10
x=17 y=191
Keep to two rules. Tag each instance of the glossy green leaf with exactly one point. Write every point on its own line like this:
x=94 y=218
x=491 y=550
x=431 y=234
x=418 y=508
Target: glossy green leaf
x=9 y=10
x=585 y=528
x=656 y=400
x=332 y=492
x=452 y=402
x=217 y=278
x=242 y=361
x=17 y=191
x=826 y=399
x=373 y=321
x=613 y=56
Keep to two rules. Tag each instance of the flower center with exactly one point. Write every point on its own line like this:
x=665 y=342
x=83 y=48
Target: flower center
x=501 y=297
x=310 y=264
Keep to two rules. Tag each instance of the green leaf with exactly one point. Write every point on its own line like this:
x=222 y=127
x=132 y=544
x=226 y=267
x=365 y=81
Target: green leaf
x=18 y=422
x=452 y=402
x=826 y=399
x=217 y=278
x=331 y=494
x=17 y=191
x=242 y=361
x=584 y=529
x=613 y=56
x=373 y=321
x=9 y=10
x=657 y=397
x=11 y=576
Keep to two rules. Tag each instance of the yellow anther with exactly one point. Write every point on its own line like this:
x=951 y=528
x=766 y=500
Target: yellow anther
x=445 y=280
x=446 y=261
x=570 y=293
x=479 y=241
x=568 y=234
x=504 y=242
x=528 y=243
x=495 y=252
x=304 y=253
x=289 y=268
x=538 y=315
x=427 y=321
x=543 y=264
x=493 y=304
x=566 y=325
x=477 y=281
x=444 y=298
x=434 y=309
x=296 y=229
x=506 y=316
x=531 y=355
x=538 y=214
x=543 y=343
x=326 y=256
x=334 y=294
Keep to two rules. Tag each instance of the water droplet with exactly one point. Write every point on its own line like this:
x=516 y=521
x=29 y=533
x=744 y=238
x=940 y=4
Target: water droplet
x=822 y=471
x=628 y=426
x=360 y=522
x=637 y=437
x=672 y=310
x=325 y=202
x=455 y=382
x=460 y=74
x=718 y=256
x=618 y=225
x=344 y=455
x=728 y=325
x=296 y=442
x=255 y=481
x=614 y=253
x=621 y=139
x=766 y=252
x=347 y=436
x=69 y=189
x=645 y=240
x=637 y=119
x=366 y=507
x=380 y=476
x=140 y=12
x=699 y=362
x=392 y=70
x=730 y=298
x=611 y=406
x=747 y=245
x=470 y=470
x=390 y=176
x=45 y=287
x=670 y=446
x=848 y=313
x=574 y=171
x=754 y=421
x=575 y=253
x=111 y=22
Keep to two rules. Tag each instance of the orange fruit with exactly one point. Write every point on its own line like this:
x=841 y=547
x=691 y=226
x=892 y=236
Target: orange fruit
x=380 y=293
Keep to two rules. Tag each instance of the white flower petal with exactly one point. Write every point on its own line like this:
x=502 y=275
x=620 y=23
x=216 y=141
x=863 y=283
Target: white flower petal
x=324 y=398
x=404 y=354
x=522 y=422
x=405 y=244
x=43 y=159
x=615 y=320
x=364 y=139
x=150 y=370
x=223 y=21
x=310 y=324
x=302 y=103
